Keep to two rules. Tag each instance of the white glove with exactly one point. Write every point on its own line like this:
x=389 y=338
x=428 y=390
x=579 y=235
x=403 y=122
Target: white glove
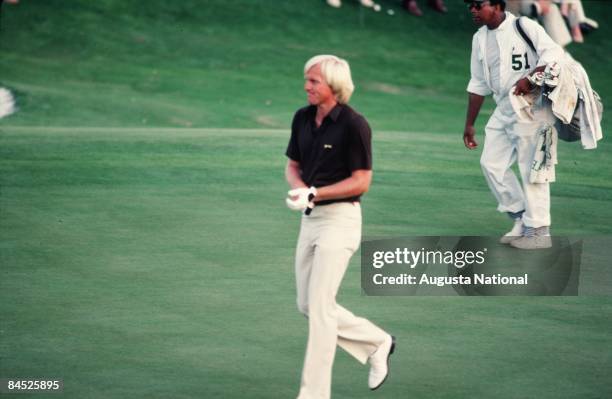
x=304 y=198
x=537 y=78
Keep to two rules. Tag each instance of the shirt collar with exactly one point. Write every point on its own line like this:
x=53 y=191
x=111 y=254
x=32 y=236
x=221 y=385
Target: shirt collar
x=507 y=22
x=333 y=114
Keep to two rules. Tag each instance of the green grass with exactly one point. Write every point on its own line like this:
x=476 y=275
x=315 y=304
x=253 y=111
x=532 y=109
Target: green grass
x=238 y=63
x=157 y=263
x=145 y=250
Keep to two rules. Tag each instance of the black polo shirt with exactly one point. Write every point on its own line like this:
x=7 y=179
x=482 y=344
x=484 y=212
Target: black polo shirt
x=331 y=152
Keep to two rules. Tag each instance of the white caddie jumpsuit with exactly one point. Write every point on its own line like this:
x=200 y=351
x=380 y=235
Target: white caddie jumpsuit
x=506 y=140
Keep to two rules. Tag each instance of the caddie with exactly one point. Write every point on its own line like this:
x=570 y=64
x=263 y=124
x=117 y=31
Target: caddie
x=501 y=61
x=329 y=168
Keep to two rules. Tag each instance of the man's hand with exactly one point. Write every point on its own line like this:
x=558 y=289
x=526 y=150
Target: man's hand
x=301 y=198
x=468 y=137
x=523 y=86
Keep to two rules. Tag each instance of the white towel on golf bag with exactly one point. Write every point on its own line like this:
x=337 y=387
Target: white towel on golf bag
x=545 y=157
x=590 y=132
x=565 y=96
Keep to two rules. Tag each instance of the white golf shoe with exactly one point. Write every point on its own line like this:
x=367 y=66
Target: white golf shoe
x=379 y=363
x=590 y=23
x=516 y=232
x=334 y=3
x=367 y=3
x=534 y=242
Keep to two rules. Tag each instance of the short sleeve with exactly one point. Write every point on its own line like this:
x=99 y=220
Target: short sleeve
x=477 y=84
x=293 y=149
x=548 y=50
x=360 y=144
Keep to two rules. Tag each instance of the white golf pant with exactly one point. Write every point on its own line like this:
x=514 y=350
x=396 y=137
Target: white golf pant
x=506 y=142
x=328 y=238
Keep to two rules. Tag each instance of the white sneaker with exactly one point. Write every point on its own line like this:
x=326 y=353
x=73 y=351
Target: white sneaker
x=379 y=363
x=535 y=242
x=367 y=3
x=334 y=3
x=516 y=232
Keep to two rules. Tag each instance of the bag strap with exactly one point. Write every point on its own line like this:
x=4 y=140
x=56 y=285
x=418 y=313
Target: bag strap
x=520 y=30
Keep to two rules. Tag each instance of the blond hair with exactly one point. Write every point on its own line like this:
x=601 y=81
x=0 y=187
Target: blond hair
x=337 y=75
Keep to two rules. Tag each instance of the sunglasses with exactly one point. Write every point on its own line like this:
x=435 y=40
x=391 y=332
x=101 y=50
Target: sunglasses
x=476 y=4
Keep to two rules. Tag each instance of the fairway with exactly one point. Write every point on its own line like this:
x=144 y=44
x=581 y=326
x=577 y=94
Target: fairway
x=146 y=250
x=158 y=263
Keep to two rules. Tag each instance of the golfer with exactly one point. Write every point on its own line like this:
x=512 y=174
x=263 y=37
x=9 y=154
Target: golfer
x=329 y=168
